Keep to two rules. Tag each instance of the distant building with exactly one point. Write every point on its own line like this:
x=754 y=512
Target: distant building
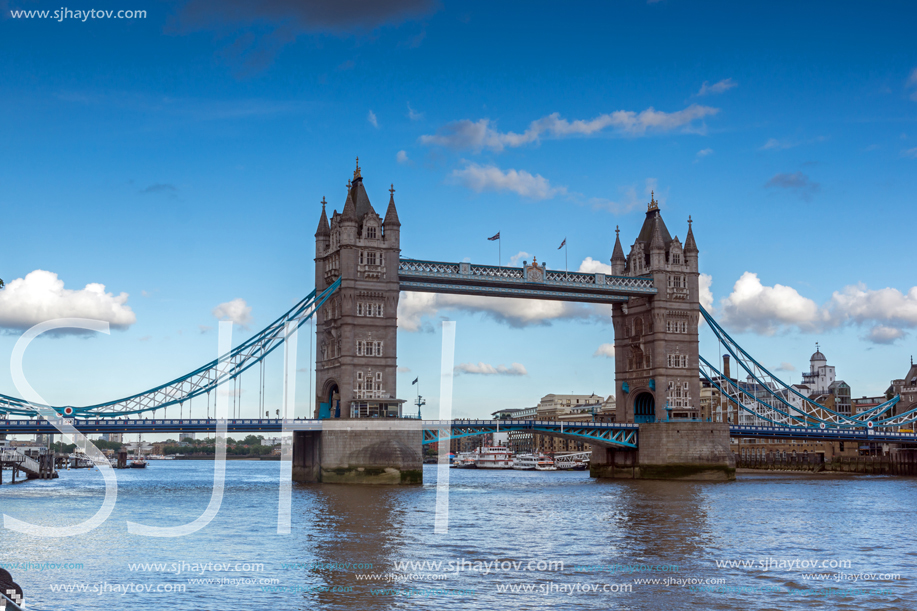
x=820 y=375
x=186 y=436
x=520 y=442
x=573 y=408
x=907 y=388
x=115 y=437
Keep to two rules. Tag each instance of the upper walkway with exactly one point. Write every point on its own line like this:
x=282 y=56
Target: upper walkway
x=531 y=281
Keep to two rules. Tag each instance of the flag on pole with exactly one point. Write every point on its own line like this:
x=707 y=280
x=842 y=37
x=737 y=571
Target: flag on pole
x=415 y=381
x=562 y=244
x=496 y=237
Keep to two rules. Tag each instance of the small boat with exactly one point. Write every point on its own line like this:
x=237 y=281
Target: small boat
x=138 y=464
x=545 y=463
x=525 y=462
x=534 y=462
x=493 y=457
x=464 y=460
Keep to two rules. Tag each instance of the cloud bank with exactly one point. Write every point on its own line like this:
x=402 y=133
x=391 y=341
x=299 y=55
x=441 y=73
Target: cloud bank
x=41 y=296
x=481 y=134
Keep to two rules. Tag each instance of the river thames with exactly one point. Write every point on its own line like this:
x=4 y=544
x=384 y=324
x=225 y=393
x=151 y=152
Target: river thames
x=516 y=540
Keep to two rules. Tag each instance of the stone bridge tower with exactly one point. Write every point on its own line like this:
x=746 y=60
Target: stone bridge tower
x=656 y=341
x=356 y=329
x=656 y=365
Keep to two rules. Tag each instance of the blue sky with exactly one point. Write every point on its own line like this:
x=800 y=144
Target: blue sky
x=179 y=160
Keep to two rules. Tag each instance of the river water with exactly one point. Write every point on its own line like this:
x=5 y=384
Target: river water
x=516 y=540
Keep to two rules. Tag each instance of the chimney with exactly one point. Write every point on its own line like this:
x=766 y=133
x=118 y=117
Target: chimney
x=726 y=365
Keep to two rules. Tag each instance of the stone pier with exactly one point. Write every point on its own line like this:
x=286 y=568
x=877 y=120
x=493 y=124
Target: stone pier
x=670 y=450
x=377 y=451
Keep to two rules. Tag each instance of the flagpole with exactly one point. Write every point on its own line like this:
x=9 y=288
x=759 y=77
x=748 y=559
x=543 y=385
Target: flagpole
x=566 y=270
x=499 y=251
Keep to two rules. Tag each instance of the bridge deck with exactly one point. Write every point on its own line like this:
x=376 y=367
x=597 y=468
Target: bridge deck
x=533 y=283
x=603 y=433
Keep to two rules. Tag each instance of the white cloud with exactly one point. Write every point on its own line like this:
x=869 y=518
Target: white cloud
x=41 y=296
x=764 y=309
x=880 y=334
x=754 y=307
x=413 y=115
x=909 y=153
x=592 y=266
x=717 y=87
x=515 y=369
x=371 y=117
x=404 y=370
x=704 y=282
x=519 y=256
x=478 y=135
x=784 y=366
x=204 y=328
x=703 y=153
x=858 y=304
x=491 y=178
x=606 y=350
x=413 y=307
x=402 y=157
x=236 y=310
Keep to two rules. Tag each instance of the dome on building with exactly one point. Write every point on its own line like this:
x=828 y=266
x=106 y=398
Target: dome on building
x=818 y=356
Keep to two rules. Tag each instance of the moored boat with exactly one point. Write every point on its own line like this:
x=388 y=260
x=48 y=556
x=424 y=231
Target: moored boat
x=493 y=457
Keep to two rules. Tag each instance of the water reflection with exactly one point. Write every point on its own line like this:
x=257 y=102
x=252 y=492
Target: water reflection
x=507 y=530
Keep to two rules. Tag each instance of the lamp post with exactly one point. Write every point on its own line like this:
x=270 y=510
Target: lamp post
x=420 y=403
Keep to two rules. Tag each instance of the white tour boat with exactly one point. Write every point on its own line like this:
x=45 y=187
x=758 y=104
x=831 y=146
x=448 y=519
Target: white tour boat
x=493 y=457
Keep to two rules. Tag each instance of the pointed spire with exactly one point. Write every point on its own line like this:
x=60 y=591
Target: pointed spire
x=690 y=244
x=350 y=211
x=323 y=228
x=356 y=173
x=618 y=252
x=391 y=214
x=657 y=242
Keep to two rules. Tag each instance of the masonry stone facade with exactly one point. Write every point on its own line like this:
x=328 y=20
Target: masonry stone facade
x=656 y=340
x=356 y=330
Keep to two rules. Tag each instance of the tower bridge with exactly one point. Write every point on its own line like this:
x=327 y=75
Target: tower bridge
x=357 y=432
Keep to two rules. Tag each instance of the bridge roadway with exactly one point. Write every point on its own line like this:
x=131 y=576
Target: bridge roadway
x=611 y=434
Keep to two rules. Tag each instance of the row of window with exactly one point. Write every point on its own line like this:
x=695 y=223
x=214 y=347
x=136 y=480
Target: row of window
x=678 y=360
x=369 y=348
x=678 y=394
x=369 y=309
x=676 y=326
x=370 y=257
x=369 y=386
x=677 y=281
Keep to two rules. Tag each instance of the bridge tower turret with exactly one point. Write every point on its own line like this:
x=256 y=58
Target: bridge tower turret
x=356 y=331
x=656 y=340
x=656 y=366
x=618 y=260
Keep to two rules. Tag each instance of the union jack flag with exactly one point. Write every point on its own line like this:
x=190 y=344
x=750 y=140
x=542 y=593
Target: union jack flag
x=496 y=237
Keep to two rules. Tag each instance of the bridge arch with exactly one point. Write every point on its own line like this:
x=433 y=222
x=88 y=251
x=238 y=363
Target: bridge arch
x=602 y=435
x=329 y=405
x=644 y=407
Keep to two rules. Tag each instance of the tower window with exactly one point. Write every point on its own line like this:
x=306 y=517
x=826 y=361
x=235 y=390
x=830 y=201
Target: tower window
x=371 y=232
